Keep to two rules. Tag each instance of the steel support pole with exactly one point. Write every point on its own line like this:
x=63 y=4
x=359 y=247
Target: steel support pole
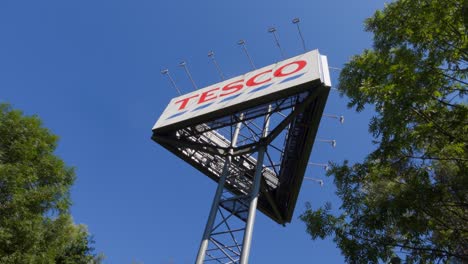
x=213 y=211
x=254 y=194
x=252 y=207
x=217 y=198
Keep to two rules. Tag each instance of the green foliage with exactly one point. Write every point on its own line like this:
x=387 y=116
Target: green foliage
x=408 y=200
x=35 y=224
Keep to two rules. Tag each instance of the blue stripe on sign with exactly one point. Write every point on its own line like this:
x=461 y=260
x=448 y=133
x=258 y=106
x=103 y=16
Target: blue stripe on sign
x=176 y=115
x=292 y=78
x=260 y=88
x=201 y=107
x=230 y=98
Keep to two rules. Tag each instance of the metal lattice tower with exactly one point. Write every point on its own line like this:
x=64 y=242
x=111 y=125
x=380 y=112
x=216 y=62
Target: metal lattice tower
x=223 y=241
x=257 y=150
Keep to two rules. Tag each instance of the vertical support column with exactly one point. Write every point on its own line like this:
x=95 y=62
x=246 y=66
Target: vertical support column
x=254 y=194
x=217 y=198
x=252 y=207
x=252 y=198
x=213 y=212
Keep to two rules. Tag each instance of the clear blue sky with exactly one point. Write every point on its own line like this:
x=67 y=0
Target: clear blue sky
x=90 y=70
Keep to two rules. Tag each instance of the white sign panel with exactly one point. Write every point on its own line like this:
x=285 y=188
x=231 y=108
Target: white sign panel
x=250 y=86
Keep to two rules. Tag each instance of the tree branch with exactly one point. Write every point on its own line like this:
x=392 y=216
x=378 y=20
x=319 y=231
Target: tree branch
x=453 y=78
x=428 y=119
x=434 y=158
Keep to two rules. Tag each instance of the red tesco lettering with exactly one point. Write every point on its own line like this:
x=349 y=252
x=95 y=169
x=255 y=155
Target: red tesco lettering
x=238 y=85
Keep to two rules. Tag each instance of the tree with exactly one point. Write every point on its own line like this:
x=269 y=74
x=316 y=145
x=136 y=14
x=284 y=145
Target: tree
x=407 y=201
x=35 y=223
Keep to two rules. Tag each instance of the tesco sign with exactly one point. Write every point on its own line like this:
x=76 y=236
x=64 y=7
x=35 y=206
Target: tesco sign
x=238 y=85
x=250 y=86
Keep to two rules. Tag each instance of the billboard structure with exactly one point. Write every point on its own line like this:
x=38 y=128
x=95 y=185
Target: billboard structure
x=253 y=135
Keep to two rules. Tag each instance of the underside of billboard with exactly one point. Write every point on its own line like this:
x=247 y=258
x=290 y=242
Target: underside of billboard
x=278 y=107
